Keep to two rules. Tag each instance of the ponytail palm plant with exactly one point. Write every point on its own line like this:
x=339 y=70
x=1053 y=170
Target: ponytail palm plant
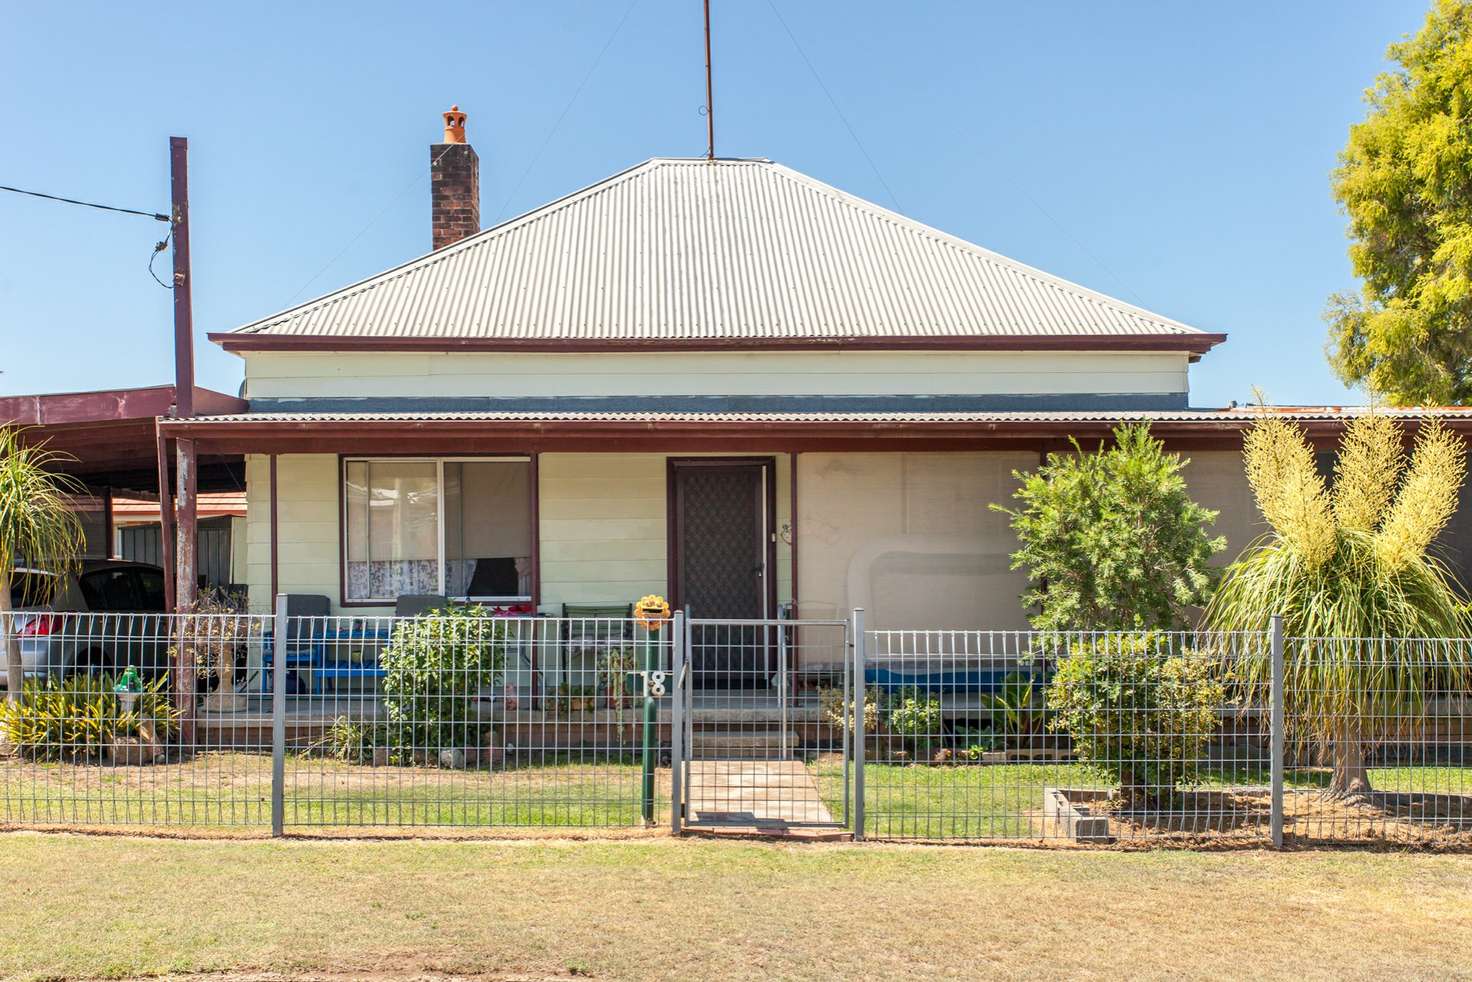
x=1344 y=564
x=38 y=526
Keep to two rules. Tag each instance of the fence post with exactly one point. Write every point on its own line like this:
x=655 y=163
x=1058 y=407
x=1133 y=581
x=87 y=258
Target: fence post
x=278 y=717
x=782 y=696
x=857 y=627
x=677 y=722
x=1276 y=731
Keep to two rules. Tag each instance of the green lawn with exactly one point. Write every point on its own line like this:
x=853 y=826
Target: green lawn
x=83 y=907
x=233 y=790
x=1004 y=801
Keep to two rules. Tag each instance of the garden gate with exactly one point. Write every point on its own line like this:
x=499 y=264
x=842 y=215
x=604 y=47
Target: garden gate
x=759 y=735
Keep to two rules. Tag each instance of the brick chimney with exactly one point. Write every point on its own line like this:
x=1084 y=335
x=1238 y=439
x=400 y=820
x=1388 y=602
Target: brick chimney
x=454 y=188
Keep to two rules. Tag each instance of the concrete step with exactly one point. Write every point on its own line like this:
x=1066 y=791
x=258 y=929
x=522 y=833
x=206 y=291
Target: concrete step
x=752 y=744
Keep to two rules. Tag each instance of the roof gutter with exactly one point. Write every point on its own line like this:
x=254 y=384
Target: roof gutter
x=1195 y=344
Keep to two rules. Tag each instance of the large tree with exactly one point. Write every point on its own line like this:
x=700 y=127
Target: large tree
x=38 y=526
x=1111 y=540
x=1405 y=181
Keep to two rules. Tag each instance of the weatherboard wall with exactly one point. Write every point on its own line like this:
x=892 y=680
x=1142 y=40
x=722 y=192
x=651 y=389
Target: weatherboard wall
x=398 y=378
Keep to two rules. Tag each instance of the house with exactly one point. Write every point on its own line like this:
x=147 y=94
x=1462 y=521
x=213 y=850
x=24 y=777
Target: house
x=721 y=380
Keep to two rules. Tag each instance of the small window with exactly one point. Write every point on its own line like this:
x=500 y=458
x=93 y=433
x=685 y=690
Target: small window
x=458 y=527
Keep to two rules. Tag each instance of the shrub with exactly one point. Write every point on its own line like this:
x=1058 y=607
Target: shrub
x=832 y=708
x=349 y=741
x=1016 y=706
x=917 y=718
x=915 y=715
x=435 y=668
x=80 y=717
x=1137 y=712
x=214 y=636
x=1111 y=540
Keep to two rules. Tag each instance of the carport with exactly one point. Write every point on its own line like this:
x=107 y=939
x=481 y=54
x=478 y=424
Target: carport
x=114 y=445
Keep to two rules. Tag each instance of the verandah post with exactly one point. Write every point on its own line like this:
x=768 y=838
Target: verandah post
x=856 y=626
x=1275 y=727
x=278 y=717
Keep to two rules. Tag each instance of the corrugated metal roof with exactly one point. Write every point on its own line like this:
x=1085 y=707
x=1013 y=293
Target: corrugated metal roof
x=730 y=250
x=1303 y=414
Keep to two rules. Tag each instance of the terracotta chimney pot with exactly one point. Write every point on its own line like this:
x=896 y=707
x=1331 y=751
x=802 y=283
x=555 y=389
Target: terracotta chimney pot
x=454 y=125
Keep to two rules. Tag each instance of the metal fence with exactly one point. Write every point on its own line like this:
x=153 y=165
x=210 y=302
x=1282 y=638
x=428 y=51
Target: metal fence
x=465 y=719
x=1193 y=738
x=471 y=720
x=1082 y=737
x=111 y=731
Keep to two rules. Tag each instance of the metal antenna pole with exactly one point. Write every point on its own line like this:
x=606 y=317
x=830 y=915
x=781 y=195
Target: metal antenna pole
x=710 y=109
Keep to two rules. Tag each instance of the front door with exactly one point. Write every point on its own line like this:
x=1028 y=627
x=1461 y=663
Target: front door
x=720 y=517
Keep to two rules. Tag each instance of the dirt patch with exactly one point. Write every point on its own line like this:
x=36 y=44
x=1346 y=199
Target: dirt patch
x=1220 y=817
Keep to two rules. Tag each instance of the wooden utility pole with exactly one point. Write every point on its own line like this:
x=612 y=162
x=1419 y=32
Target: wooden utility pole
x=186 y=555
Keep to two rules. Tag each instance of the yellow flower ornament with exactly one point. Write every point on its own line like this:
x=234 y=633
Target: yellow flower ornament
x=652 y=612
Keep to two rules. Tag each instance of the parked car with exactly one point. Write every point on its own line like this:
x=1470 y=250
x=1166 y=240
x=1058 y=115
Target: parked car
x=124 y=602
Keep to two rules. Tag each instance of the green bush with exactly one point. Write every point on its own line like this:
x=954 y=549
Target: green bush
x=80 y=717
x=833 y=710
x=1111 y=539
x=914 y=715
x=1137 y=712
x=350 y=741
x=918 y=719
x=1016 y=706
x=435 y=668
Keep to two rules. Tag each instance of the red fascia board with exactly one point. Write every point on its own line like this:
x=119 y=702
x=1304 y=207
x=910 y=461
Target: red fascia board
x=1195 y=344
x=108 y=406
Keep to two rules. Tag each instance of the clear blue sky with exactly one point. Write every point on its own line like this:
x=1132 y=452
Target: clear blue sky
x=1174 y=155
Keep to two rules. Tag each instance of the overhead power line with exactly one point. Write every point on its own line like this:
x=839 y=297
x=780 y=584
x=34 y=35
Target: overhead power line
x=593 y=67
x=834 y=103
x=87 y=204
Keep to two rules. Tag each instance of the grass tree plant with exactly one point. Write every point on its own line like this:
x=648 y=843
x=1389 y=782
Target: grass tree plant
x=1347 y=562
x=38 y=527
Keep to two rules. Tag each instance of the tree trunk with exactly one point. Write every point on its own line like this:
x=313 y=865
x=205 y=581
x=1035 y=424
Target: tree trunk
x=15 y=673
x=1350 y=775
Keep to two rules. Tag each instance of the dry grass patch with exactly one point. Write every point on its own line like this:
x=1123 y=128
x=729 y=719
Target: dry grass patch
x=85 y=907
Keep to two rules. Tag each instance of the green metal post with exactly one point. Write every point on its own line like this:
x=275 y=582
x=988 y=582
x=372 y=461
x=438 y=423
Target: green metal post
x=651 y=718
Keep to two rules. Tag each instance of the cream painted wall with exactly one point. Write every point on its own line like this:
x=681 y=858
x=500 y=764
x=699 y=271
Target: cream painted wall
x=370 y=375
x=602 y=527
x=909 y=537
x=602 y=518
x=906 y=536
x=307 y=531
x=1217 y=481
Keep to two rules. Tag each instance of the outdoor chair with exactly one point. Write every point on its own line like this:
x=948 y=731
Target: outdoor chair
x=594 y=630
x=306 y=625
